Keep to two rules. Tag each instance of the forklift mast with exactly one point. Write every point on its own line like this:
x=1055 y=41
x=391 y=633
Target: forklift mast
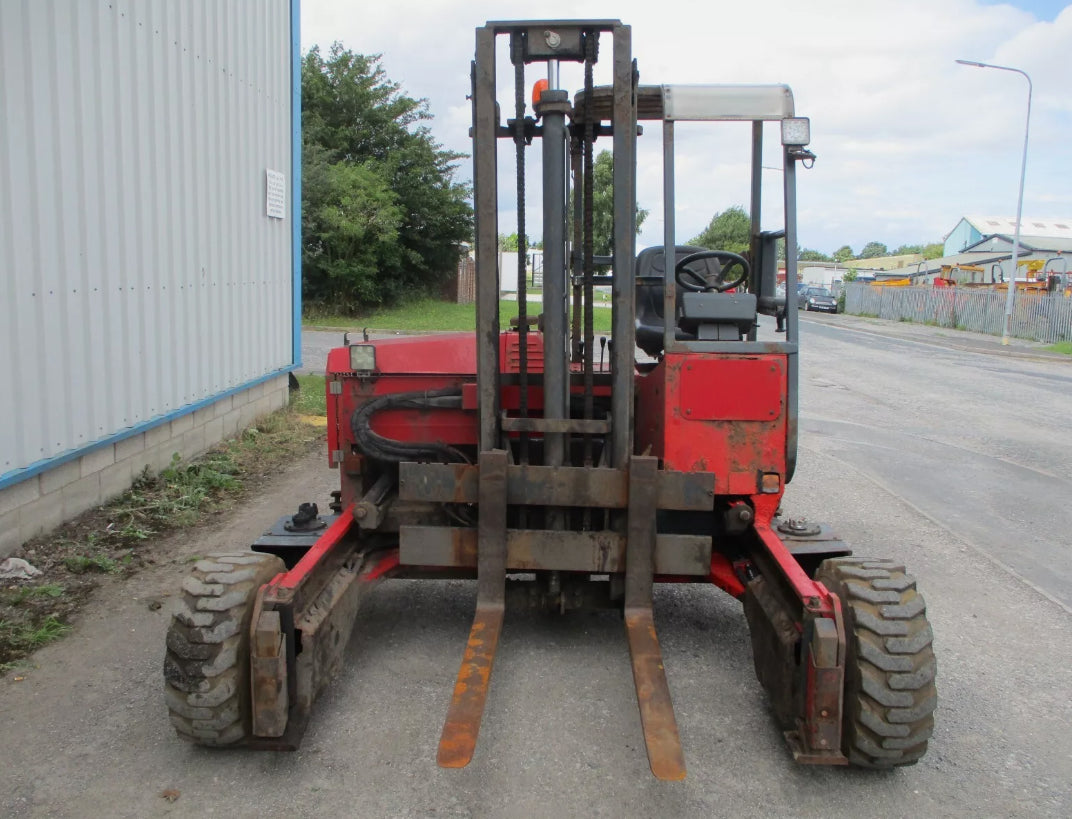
x=572 y=429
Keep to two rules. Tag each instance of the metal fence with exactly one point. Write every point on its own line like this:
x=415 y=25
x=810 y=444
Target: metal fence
x=1040 y=317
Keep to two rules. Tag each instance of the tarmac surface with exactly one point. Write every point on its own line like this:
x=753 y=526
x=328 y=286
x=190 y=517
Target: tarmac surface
x=941 y=337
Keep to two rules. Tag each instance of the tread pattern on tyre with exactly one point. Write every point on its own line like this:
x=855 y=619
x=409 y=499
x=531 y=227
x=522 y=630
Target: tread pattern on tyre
x=206 y=667
x=890 y=694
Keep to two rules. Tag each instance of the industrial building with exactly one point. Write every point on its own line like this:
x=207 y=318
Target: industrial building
x=987 y=233
x=149 y=239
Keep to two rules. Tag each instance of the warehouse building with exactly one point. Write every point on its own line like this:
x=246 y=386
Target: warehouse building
x=985 y=233
x=149 y=239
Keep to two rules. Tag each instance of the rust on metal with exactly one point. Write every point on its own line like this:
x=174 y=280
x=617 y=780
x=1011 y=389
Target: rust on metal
x=458 y=741
x=653 y=694
x=268 y=676
x=665 y=756
x=442 y=483
x=537 y=549
x=579 y=486
x=818 y=738
x=545 y=549
x=284 y=682
x=684 y=491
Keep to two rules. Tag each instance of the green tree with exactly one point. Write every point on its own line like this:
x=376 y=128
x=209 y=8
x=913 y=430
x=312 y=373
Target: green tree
x=905 y=250
x=843 y=254
x=350 y=224
x=728 y=230
x=383 y=216
x=930 y=251
x=511 y=243
x=873 y=250
x=603 y=205
x=807 y=255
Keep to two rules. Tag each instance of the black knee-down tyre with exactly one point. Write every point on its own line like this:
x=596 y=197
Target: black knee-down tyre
x=890 y=694
x=206 y=667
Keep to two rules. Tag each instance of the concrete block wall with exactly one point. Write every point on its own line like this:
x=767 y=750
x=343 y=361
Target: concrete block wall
x=42 y=502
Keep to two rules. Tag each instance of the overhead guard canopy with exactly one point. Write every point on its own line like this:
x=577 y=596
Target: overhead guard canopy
x=747 y=103
x=727 y=102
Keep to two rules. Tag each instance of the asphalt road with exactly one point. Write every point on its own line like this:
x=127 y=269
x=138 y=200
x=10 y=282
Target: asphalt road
x=947 y=459
x=979 y=443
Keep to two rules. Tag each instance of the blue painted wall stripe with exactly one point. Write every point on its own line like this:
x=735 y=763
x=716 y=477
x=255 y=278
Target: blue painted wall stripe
x=17 y=475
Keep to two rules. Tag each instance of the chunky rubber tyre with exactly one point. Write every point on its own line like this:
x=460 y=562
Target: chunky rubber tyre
x=890 y=694
x=206 y=667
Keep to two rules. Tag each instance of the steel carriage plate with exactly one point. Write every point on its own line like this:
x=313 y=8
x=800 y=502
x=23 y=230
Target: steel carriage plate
x=538 y=549
x=554 y=486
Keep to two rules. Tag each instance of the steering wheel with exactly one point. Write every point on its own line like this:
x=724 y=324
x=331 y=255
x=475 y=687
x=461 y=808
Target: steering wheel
x=694 y=282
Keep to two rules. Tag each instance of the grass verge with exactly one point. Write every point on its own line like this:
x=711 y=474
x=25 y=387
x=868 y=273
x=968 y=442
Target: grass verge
x=117 y=539
x=1063 y=347
x=311 y=398
x=432 y=315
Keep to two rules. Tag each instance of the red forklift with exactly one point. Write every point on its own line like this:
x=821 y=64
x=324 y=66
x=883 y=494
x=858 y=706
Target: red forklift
x=561 y=473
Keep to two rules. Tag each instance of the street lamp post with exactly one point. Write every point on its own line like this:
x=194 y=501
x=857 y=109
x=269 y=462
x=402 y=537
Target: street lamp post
x=1019 y=202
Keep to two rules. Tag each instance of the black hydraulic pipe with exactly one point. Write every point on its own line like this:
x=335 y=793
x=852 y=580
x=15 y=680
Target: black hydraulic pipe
x=755 y=286
x=669 y=241
x=789 y=166
x=518 y=57
x=577 y=266
x=591 y=41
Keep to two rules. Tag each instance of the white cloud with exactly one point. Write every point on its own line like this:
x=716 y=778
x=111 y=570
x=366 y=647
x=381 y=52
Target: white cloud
x=907 y=140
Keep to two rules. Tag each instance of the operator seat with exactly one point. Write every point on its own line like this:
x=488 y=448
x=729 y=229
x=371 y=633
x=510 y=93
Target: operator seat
x=650 y=273
x=707 y=316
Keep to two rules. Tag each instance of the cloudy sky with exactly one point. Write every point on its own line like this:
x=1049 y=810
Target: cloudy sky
x=907 y=140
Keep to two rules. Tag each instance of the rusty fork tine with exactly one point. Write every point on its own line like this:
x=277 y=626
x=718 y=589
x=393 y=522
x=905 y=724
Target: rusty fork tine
x=661 y=737
x=653 y=694
x=458 y=742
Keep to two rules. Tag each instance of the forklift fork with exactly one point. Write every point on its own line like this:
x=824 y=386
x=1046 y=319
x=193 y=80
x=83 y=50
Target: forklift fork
x=458 y=742
x=653 y=694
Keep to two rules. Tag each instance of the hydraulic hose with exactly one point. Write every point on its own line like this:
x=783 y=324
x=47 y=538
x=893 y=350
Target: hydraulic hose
x=382 y=448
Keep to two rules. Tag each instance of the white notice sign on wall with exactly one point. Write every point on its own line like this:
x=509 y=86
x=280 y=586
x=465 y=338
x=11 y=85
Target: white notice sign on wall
x=275 y=201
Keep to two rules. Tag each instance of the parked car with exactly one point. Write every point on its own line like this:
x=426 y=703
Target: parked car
x=817 y=298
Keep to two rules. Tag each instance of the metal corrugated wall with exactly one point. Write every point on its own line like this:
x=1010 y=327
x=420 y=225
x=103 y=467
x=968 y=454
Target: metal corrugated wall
x=140 y=271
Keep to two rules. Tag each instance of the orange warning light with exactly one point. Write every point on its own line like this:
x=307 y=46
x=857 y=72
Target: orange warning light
x=537 y=89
